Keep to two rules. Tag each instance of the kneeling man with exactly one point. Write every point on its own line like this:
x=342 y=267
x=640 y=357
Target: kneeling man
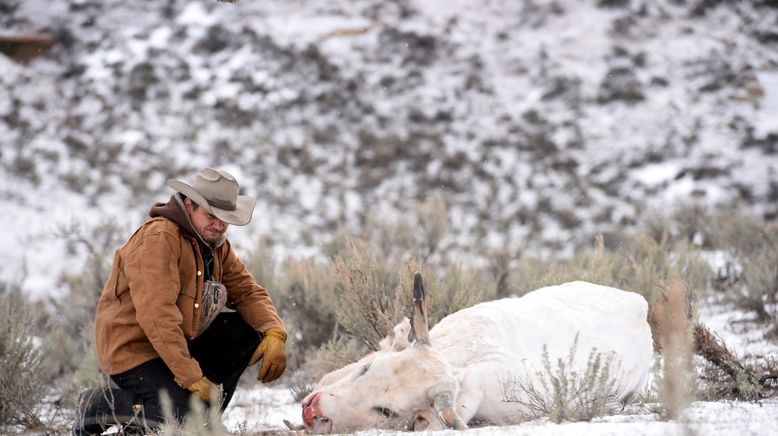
x=164 y=323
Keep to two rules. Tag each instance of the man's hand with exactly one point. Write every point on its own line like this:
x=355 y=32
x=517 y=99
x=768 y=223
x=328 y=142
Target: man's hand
x=271 y=351
x=203 y=389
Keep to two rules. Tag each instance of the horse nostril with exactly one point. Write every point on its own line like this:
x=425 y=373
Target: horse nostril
x=312 y=415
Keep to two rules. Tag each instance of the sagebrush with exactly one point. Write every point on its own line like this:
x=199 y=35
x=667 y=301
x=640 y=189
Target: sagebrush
x=21 y=386
x=567 y=390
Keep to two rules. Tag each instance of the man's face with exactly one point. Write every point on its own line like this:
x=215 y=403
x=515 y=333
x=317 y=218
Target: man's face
x=208 y=226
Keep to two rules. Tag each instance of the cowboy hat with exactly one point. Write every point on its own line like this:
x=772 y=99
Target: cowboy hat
x=217 y=192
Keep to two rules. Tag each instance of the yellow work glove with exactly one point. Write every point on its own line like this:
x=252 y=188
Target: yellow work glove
x=271 y=351
x=203 y=389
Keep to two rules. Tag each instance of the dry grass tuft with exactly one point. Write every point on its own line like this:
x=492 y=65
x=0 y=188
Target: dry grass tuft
x=676 y=385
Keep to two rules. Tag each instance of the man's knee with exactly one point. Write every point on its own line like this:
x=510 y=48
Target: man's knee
x=229 y=334
x=231 y=327
x=150 y=381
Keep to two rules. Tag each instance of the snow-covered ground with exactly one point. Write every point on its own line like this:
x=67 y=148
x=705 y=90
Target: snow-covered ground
x=265 y=409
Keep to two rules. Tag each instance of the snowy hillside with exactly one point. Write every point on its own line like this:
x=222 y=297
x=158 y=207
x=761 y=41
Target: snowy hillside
x=540 y=122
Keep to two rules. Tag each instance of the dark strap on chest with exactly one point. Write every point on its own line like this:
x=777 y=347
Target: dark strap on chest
x=207 y=254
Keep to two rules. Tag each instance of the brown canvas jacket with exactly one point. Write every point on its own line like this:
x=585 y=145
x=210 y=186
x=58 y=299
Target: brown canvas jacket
x=150 y=306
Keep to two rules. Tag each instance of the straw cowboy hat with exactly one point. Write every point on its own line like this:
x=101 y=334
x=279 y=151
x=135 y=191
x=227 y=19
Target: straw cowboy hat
x=217 y=192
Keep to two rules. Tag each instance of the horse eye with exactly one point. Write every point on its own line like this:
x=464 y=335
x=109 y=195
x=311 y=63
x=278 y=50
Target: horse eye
x=388 y=413
x=363 y=370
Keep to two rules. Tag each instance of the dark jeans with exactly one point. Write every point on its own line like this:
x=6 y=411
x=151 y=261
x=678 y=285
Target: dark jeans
x=223 y=352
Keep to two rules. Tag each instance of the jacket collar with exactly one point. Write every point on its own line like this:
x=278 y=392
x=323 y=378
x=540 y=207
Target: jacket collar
x=175 y=211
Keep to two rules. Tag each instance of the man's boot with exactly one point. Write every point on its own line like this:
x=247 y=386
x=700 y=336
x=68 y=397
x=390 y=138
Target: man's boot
x=100 y=408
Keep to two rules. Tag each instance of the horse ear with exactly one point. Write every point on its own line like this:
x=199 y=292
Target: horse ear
x=421 y=333
x=398 y=341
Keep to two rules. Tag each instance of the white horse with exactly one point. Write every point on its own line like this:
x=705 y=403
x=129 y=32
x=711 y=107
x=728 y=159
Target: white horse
x=458 y=371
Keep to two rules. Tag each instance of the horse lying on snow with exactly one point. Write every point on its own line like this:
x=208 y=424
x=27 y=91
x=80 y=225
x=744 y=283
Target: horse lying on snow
x=457 y=372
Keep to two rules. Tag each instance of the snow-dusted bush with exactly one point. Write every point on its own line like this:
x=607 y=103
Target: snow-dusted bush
x=753 y=244
x=71 y=358
x=453 y=287
x=638 y=263
x=22 y=385
x=562 y=392
x=371 y=300
x=306 y=300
